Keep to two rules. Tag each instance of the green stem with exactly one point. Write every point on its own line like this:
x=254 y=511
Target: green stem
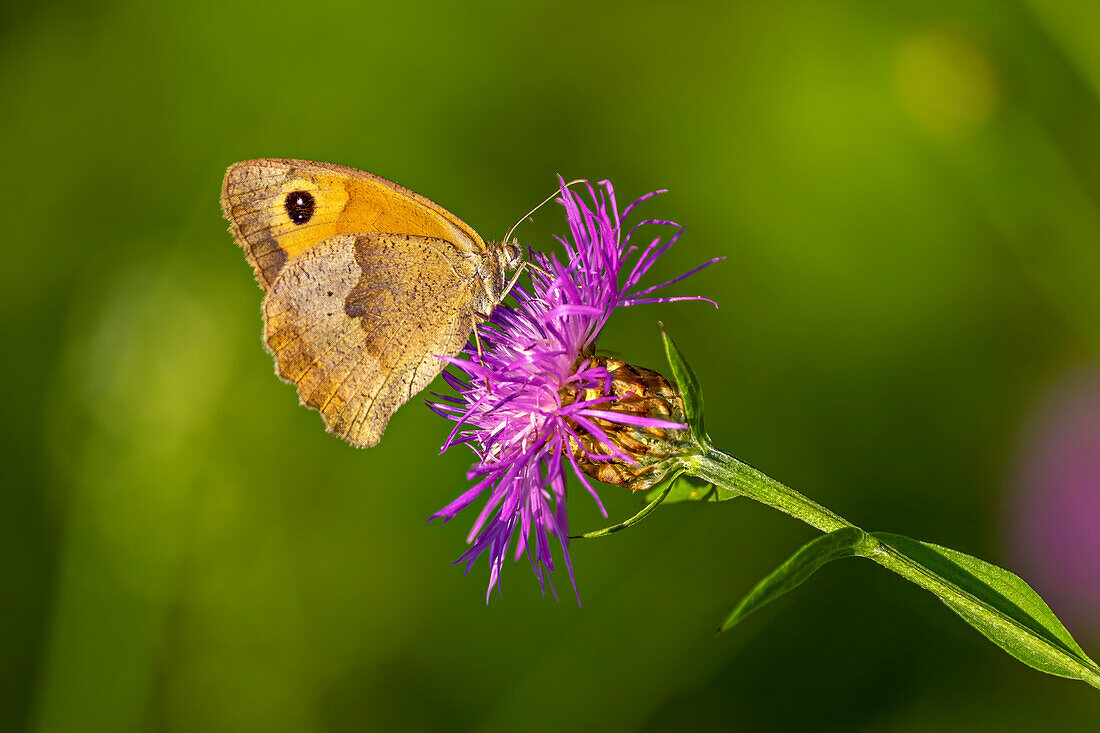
x=726 y=471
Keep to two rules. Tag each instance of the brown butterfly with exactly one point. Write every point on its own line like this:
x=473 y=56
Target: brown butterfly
x=366 y=282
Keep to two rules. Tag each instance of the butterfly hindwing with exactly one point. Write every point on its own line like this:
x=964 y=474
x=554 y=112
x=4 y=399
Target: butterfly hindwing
x=356 y=322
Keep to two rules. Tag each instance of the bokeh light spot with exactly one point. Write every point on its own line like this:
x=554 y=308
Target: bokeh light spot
x=946 y=83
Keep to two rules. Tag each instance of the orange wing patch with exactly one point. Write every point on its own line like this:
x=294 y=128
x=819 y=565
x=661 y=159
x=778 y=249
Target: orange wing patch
x=278 y=209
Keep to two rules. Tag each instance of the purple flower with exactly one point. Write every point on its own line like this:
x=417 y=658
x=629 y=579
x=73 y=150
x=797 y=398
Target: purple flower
x=519 y=404
x=1056 y=508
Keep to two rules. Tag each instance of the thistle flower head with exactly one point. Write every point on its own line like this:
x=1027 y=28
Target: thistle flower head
x=536 y=403
x=651 y=449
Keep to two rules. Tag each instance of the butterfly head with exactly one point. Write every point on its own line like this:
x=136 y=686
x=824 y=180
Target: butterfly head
x=511 y=255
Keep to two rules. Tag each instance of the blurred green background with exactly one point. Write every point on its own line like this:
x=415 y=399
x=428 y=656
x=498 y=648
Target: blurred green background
x=908 y=197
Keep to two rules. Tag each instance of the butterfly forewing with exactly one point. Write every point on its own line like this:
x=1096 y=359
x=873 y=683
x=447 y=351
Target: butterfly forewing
x=278 y=208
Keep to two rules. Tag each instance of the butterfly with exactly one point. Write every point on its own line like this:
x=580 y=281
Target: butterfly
x=366 y=284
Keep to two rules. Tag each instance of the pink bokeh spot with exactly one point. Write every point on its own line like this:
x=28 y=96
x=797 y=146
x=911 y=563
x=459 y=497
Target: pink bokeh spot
x=1056 y=510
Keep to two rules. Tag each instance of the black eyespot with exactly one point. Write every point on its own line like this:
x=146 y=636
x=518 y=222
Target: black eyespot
x=299 y=206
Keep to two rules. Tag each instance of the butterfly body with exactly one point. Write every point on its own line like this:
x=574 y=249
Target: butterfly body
x=367 y=284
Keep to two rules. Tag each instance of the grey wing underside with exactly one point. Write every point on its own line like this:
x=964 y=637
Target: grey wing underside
x=356 y=322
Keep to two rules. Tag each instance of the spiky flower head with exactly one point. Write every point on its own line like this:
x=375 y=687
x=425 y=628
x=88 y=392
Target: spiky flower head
x=652 y=450
x=537 y=403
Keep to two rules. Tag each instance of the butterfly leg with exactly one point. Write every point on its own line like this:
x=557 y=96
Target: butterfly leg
x=519 y=271
x=515 y=278
x=539 y=270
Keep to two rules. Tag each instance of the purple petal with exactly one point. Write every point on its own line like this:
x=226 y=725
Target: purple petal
x=624 y=418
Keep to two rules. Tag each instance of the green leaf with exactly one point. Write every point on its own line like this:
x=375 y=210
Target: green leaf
x=997 y=603
x=797 y=569
x=991 y=599
x=690 y=488
x=656 y=495
x=688 y=384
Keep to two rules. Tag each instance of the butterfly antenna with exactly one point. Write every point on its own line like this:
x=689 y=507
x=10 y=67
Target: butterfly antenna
x=548 y=199
x=525 y=217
